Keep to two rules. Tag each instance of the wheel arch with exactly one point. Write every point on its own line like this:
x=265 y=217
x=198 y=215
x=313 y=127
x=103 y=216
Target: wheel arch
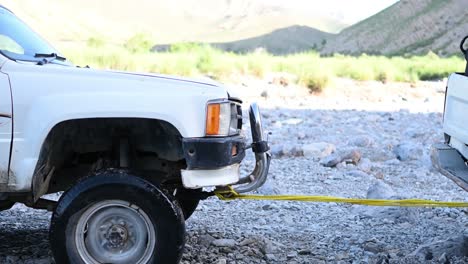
x=93 y=135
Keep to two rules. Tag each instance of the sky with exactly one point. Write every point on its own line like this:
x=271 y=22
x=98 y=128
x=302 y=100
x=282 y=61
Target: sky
x=347 y=11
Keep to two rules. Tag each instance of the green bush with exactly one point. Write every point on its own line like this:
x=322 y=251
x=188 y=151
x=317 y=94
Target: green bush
x=95 y=42
x=139 y=43
x=311 y=70
x=315 y=83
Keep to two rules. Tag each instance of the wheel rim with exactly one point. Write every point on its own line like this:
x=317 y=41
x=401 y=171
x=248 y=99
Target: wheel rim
x=115 y=231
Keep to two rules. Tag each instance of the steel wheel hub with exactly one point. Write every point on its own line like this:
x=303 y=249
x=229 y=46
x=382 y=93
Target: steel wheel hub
x=115 y=231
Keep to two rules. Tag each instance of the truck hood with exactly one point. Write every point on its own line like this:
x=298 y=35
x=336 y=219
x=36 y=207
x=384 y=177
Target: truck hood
x=204 y=81
x=112 y=80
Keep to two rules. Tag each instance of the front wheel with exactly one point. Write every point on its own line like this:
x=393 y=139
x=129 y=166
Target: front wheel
x=117 y=218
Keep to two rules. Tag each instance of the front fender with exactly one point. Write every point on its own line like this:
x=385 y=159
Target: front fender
x=44 y=97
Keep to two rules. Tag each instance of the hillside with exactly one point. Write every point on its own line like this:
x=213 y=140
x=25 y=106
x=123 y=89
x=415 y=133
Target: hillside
x=75 y=21
x=408 y=26
x=289 y=40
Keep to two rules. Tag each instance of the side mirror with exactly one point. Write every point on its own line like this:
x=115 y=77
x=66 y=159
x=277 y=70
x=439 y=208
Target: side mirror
x=465 y=53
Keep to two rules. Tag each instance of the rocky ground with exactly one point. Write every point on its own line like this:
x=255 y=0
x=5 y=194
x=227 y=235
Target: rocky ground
x=355 y=140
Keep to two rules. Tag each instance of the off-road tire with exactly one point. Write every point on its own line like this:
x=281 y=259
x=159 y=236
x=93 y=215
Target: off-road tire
x=188 y=200
x=160 y=208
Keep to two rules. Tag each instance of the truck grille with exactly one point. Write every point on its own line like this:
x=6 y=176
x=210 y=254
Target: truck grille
x=236 y=117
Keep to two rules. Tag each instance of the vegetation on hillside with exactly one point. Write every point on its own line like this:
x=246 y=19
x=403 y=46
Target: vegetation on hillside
x=310 y=69
x=407 y=27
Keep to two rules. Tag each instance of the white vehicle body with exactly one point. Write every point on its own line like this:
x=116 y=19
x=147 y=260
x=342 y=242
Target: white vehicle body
x=131 y=151
x=58 y=122
x=451 y=157
x=456 y=109
x=45 y=96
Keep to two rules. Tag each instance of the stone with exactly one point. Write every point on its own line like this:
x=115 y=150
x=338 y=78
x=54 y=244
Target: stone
x=374 y=247
x=291 y=255
x=408 y=151
x=358 y=174
x=318 y=150
x=389 y=215
x=277 y=151
x=365 y=165
x=268 y=247
x=361 y=141
x=222 y=261
x=347 y=156
x=270 y=257
x=205 y=240
x=380 y=190
x=304 y=252
x=293 y=121
x=224 y=242
x=247 y=241
x=455 y=246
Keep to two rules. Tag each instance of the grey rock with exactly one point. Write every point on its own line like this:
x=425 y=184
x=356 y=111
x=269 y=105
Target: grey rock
x=365 y=165
x=224 y=243
x=408 y=151
x=374 y=247
x=205 y=240
x=455 y=246
x=269 y=247
x=291 y=255
x=390 y=215
x=380 y=154
x=270 y=257
x=304 y=252
x=380 y=190
x=318 y=150
x=347 y=156
x=362 y=141
x=247 y=241
x=293 y=121
x=358 y=174
x=295 y=151
x=222 y=261
x=277 y=151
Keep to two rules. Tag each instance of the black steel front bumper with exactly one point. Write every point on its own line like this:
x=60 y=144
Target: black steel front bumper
x=216 y=153
x=213 y=153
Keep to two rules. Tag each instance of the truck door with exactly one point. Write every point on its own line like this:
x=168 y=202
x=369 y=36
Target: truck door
x=5 y=129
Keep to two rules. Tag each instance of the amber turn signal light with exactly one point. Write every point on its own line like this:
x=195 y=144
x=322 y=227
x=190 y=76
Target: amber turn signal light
x=212 y=119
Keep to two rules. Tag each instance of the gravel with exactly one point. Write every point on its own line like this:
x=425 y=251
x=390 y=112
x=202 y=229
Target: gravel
x=392 y=137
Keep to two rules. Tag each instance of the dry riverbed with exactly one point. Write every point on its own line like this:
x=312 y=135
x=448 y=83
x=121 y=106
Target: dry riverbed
x=377 y=139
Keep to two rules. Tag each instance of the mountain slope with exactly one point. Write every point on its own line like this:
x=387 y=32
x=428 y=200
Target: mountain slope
x=408 y=26
x=288 y=40
x=116 y=21
x=293 y=39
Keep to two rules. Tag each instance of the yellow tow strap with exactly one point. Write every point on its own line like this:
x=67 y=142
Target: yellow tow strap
x=231 y=194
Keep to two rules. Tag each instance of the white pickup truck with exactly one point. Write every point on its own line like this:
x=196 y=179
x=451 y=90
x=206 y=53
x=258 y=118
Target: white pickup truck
x=132 y=152
x=451 y=157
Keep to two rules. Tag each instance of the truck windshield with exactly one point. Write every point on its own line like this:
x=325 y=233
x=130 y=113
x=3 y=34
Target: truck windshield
x=18 y=41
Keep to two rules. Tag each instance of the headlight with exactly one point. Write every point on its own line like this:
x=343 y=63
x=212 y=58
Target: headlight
x=222 y=119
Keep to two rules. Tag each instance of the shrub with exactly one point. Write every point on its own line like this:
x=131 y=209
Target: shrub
x=95 y=42
x=139 y=43
x=312 y=70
